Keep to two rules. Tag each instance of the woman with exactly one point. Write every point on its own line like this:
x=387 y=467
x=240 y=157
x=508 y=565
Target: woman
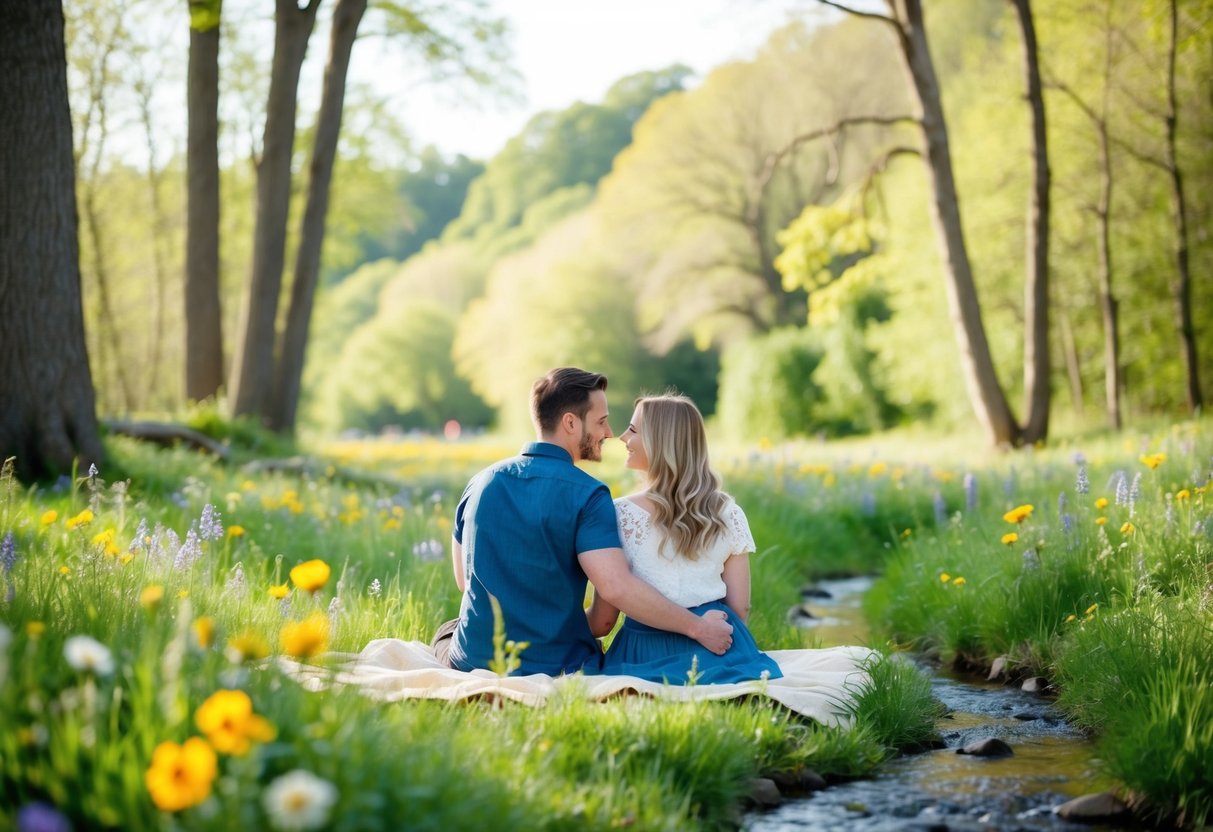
x=691 y=541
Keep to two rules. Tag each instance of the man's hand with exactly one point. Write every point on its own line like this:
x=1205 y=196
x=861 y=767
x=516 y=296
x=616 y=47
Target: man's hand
x=714 y=632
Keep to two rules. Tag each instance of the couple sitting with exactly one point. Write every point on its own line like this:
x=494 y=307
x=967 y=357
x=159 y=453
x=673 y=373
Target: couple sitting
x=531 y=530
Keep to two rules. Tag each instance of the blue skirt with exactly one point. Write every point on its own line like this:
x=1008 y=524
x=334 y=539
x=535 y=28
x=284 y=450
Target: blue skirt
x=661 y=656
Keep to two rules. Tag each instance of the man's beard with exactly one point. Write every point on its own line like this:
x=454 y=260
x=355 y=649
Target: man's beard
x=589 y=449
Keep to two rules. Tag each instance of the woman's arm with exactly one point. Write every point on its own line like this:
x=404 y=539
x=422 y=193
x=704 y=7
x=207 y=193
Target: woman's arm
x=601 y=615
x=737 y=585
x=457 y=564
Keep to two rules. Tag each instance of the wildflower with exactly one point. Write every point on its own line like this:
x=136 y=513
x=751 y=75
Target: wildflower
x=305 y=638
x=1152 y=461
x=1122 y=488
x=299 y=800
x=235 y=531
x=228 y=721
x=375 y=589
x=334 y=609
x=1091 y=609
x=42 y=817
x=151 y=597
x=1082 y=485
x=86 y=516
x=940 y=507
x=310 y=575
x=1009 y=538
x=87 y=655
x=65 y=571
x=8 y=553
x=1061 y=504
x=877 y=468
x=970 y=487
x=1127 y=528
x=183 y=594
x=189 y=551
x=34 y=629
x=958 y=581
x=1182 y=494
x=279 y=591
x=235 y=581
x=1067 y=522
x=1101 y=503
x=1030 y=559
x=1018 y=514
x=944 y=577
x=181 y=776
x=204 y=630
x=49 y=517
x=248 y=485
x=1071 y=617
x=210 y=526
x=905 y=533
x=247 y=647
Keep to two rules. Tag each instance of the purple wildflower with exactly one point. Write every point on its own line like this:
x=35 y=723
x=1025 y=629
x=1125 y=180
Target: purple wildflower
x=1067 y=522
x=970 y=483
x=41 y=817
x=210 y=526
x=867 y=504
x=235 y=582
x=1122 y=488
x=189 y=551
x=1031 y=560
x=1061 y=504
x=1083 y=485
x=8 y=553
x=140 y=541
x=940 y=507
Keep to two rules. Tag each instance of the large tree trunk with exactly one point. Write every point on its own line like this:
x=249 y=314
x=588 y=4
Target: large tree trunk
x=1113 y=383
x=48 y=419
x=1036 y=282
x=203 y=318
x=1181 y=287
x=289 y=377
x=977 y=365
x=253 y=370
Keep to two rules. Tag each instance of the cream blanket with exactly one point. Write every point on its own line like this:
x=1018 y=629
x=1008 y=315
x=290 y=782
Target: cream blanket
x=818 y=684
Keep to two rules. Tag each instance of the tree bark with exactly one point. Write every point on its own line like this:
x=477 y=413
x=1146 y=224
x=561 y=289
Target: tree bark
x=48 y=420
x=252 y=381
x=1036 y=280
x=1181 y=287
x=1073 y=368
x=977 y=366
x=285 y=402
x=203 y=313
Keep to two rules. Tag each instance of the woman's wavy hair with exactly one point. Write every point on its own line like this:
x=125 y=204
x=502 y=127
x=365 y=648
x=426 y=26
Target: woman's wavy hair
x=687 y=501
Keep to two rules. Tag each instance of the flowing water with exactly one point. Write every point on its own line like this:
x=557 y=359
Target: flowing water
x=942 y=790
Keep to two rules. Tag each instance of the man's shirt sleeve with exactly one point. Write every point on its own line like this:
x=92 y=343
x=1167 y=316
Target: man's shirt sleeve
x=596 y=525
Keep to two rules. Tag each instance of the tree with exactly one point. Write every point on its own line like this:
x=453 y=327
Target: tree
x=48 y=421
x=203 y=319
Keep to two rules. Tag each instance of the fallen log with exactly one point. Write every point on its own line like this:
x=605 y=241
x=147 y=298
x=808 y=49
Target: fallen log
x=168 y=433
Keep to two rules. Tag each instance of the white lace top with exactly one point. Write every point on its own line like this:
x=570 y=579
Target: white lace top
x=687 y=583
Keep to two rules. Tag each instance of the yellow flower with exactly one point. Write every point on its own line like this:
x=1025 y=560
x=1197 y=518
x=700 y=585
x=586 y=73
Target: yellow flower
x=311 y=575
x=1127 y=528
x=181 y=776
x=1101 y=503
x=279 y=591
x=1182 y=495
x=248 y=485
x=391 y=524
x=944 y=577
x=204 y=630
x=49 y=517
x=1018 y=514
x=80 y=519
x=103 y=538
x=906 y=533
x=34 y=629
x=958 y=581
x=247 y=647
x=1099 y=521
x=65 y=571
x=1070 y=617
x=235 y=531
x=306 y=638
x=183 y=593
x=151 y=597
x=228 y=721
x=1009 y=538
x=877 y=469
x=126 y=558
x=1091 y=609
x=1152 y=461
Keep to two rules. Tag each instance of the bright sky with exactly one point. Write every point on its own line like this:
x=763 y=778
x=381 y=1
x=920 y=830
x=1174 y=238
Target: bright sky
x=570 y=50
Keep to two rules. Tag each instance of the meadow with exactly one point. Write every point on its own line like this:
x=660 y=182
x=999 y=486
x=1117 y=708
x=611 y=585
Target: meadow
x=142 y=604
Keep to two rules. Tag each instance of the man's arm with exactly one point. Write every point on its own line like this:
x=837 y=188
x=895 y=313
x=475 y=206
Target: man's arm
x=608 y=571
x=601 y=615
x=457 y=564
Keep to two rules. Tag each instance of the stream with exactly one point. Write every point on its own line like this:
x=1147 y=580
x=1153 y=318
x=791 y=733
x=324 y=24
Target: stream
x=942 y=790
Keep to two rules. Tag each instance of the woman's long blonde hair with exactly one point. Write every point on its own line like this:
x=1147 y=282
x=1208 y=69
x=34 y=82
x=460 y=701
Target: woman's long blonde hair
x=688 y=504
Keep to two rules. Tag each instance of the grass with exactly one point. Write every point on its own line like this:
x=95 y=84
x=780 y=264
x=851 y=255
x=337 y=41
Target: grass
x=178 y=614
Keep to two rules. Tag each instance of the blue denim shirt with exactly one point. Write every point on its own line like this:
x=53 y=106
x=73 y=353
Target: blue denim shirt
x=522 y=524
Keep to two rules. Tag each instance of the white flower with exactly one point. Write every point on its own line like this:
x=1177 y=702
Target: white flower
x=299 y=800
x=86 y=654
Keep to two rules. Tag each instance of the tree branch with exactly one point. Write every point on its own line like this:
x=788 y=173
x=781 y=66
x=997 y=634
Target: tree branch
x=883 y=18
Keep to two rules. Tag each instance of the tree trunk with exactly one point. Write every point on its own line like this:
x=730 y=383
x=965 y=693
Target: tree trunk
x=1036 y=281
x=1103 y=213
x=1181 y=287
x=203 y=318
x=289 y=377
x=1073 y=368
x=253 y=370
x=48 y=419
x=977 y=365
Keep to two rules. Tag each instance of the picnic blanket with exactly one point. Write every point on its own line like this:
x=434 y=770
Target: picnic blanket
x=818 y=684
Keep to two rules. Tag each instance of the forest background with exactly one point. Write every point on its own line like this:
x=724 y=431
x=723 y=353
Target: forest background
x=714 y=234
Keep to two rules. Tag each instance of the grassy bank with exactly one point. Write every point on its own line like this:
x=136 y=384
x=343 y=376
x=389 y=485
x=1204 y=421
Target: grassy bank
x=1091 y=566
x=182 y=573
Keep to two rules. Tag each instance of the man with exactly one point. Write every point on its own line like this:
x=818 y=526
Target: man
x=530 y=530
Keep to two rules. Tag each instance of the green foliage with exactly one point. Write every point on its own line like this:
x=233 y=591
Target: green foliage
x=766 y=385
x=242 y=434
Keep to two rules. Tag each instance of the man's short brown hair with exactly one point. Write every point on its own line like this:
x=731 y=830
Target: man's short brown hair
x=563 y=390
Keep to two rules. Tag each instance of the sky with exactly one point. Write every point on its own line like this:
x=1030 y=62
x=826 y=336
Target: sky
x=571 y=50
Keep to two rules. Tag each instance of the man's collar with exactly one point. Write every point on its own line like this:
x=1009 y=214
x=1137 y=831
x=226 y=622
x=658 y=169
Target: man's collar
x=546 y=449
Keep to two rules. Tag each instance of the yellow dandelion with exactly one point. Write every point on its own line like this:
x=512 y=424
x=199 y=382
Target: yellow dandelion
x=102 y=538
x=228 y=721
x=151 y=597
x=1009 y=538
x=204 y=630
x=235 y=531
x=311 y=575
x=877 y=468
x=126 y=558
x=65 y=571
x=958 y=581
x=1152 y=461
x=247 y=647
x=279 y=591
x=248 y=485
x=80 y=519
x=49 y=517
x=1127 y=528
x=1101 y=503
x=305 y=638
x=183 y=593
x=181 y=776
x=34 y=629
x=1091 y=609
x=906 y=533
x=1071 y=617
x=1018 y=514
x=1099 y=521
x=944 y=577
x=1182 y=495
